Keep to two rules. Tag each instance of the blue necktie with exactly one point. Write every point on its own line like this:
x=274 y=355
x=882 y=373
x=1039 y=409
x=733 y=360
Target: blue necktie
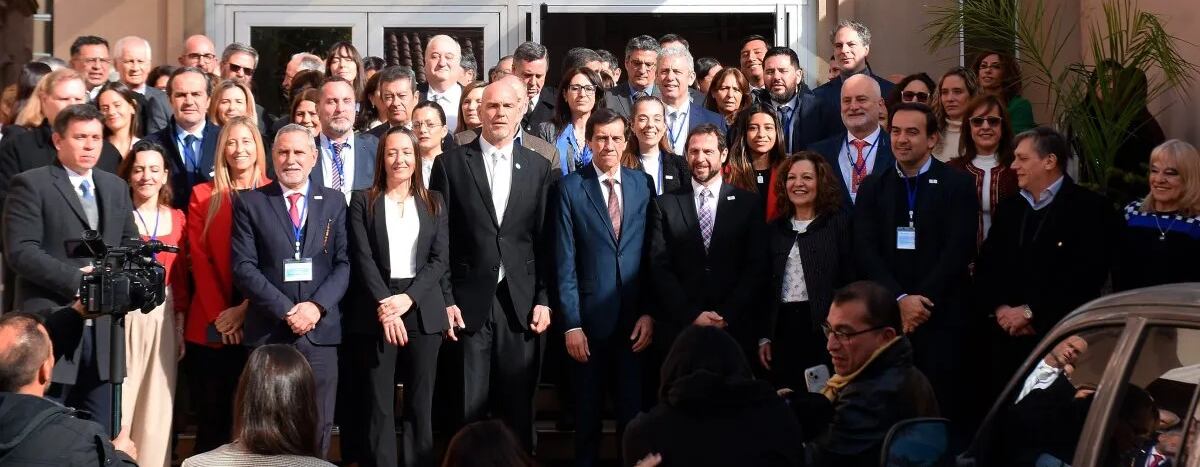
x=189 y=156
x=339 y=176
x=785 y=112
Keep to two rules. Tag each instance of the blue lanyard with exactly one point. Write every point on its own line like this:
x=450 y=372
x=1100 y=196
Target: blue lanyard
x=860 y=171
x=157 y=216
x=671 y=131
x=298 y=230
x=911 y=190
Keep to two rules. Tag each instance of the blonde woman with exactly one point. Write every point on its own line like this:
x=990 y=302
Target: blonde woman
x=1160 y=243
x=231 y=99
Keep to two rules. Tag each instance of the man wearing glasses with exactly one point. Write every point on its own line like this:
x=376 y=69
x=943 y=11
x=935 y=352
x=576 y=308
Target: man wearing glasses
x=89 y=57
x=238 y=61
x=199 y=52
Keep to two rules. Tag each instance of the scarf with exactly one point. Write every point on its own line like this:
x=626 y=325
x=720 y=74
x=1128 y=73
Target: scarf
x=838 y=382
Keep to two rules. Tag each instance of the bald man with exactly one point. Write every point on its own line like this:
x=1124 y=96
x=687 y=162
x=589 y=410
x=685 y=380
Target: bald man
x=199 y=52
x=538 y=145
x=132 y=59
x=495 y=192
x=443 y=67
x=865 y=147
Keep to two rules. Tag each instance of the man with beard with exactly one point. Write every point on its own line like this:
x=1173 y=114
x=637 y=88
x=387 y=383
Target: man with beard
x=798 y=111
x=851 y=45
x=865 y=148
x=345 y=161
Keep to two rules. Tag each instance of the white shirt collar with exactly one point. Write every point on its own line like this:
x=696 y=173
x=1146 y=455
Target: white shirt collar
x=325 y=141
x=871 y=139
x=652 y=156
x=488 y=149
x=453 y=93
x=303 y=190
x=714 y=186
x=683 y=110
x=76 y=178
x=603 y=176
x=924 y=167
x=180 y=133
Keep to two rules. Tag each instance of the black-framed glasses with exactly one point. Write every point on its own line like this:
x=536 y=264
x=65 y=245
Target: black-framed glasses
x=586 y=89
x=240 y=69
x=843 y=336
x=992 y=121
x=199 y=56
x=914 y=96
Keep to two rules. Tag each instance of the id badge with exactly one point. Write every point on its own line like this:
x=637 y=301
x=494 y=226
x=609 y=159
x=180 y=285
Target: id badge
x=906 y=238
x=297 y=270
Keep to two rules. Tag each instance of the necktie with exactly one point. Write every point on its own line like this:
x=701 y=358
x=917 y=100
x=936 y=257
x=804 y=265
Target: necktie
x=785 y=112
x=338 y=165
x=706 y=218
x=860 y=165
x=672 y=130
x=1156 y=460
x=189 y=155
x=614 y=208
x=88 y=200
x=294 y=208
x=500 y=179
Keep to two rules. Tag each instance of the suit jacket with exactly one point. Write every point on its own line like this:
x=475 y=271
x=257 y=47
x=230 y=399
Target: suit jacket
x=619 y=99
x=729 y=278
x=807 y=124
x=157 y=111
x=263 y=239
x=479 y=244
x=35 y=148
x=674 y=171
x=42 y=212
x=365 y=148
x=181 y=184
x=589 y=255
x=543 y=110
x=371 y=265
x=829 y=98
x=945 y=243
x=833 y=149
x=827 y=258
x=530 y=141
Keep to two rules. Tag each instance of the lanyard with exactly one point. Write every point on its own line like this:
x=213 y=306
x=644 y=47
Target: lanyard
x=677 y=128
x=157 y=216
x=910 y=189
x=860 y=171
x=298 y=229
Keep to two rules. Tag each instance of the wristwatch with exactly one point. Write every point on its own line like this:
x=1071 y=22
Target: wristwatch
x=1028 y=312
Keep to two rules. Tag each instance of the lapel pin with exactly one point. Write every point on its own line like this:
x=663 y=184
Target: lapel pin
x=670 y=177
x=318 y=197
x=933 y=181
x=210 y=174
x=730 y=198
x=517 y=165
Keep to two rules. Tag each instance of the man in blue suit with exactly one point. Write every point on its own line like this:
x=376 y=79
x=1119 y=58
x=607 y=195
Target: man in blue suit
x=345 y=160
x=676 y=71
x=851 y=45
x=864 y=148
x=600 y=240
x=798 y=111
x=290 y=261
x=189 y=138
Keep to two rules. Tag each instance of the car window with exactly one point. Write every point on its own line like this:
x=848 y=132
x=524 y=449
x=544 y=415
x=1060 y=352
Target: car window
x=1038 y=421
x=1146 y=426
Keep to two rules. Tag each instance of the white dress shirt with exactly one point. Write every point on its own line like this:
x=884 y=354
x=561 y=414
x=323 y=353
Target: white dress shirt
x=77 y=178
x=677 y=134
x=347 y=156
x=616 y=177
x=403 y=225
x=449 y=101
x=427 y=170
x=714 y=186
x=499 y=174
x=653 y=167
x=1042 y=377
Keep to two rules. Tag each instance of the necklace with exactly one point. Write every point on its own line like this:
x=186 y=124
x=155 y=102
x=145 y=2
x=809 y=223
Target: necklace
x=1162 y=233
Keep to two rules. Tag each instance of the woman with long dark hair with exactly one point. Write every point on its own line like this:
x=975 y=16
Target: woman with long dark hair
x=756 y=149
x=120 y=109
x=1000 y=74
x=987 y=153
x=728 y=95
x=345 y=61
x=581 y=92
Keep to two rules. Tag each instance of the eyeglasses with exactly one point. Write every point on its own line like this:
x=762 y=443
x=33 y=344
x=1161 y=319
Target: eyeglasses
x=94 y=60
x=843 y=336
x=913 y=96
x=201 y=57
x=418 y=126
x=995 y=66
x=585 y=89
x=240 y=69
x=992 y=121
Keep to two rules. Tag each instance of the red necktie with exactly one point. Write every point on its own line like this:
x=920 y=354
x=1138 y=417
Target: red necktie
x=614 y=207
x=1157 y=459
x=860 y=164
x=294 y=208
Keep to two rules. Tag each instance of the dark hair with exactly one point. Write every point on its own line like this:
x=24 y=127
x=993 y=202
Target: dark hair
x=125 y=170
x=529 y=51
x=604 y=116
x=441 y=113
x=81 y=41
x=1046 y=141
x=642 y=42
x=130 y=97
x=330 y=79
x=158 y=72
x=707 y=129
x=275 y=409
x=705 y=65
x=306 y=79
x=21 y=357
x=608 y=58
x=359 y=76
x=711 y=102
x=741 y=163
x=76 y=113
x=882 y=308
x=367 y=111
x=310 y=95
x=373 y=63
x=562 y=112
x=777 y=51
x=1010 y=85
x=579 y=57
x=931 y=120
x=967 y=148
x=396 y=73
x=31 y=73
x=470 y=87
x=416 y=186
x=672 y=37
x=829 y=189
x=488 y=443
x=701 y=352
x=467 y=63
x=897 y=94
x=752 y=38
x=208 y=84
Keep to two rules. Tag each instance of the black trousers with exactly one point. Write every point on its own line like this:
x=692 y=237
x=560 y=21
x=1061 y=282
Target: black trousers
x=500 y=368
x=213 y=375
x=796 y=346
x=612 y=368
x=323 y=360
x=90 y=392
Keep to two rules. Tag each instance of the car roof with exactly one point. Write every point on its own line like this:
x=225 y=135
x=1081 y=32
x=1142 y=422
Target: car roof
x=1172 y=301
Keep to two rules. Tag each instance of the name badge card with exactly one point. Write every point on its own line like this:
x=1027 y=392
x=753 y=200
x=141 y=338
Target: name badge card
x=298 y=270
x=906 y=238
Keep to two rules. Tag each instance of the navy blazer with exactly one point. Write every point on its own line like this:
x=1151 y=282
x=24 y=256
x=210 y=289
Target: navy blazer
x=365 y=146
x=589 y=255
x=807 y=124
x=829 y=97
x=698 y=115
x=181 y=186
x=262 y=240
x=834 y=147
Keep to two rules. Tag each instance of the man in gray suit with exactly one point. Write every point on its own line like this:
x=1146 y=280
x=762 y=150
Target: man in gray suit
x=345 y=160
x=531 y=142
x=641 y=62
x=133 y=60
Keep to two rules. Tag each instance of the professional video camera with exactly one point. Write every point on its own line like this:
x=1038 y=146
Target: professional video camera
x=123 y=278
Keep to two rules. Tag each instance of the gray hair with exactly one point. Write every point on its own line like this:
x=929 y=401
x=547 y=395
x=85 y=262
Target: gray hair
x=679 y=52
x=309 y=62
x=238 y=47
x=861 y=29
x=529 y=51
x=119 y=47
x=642 y=42
x=397 y=73
x=295 y=128
x=54 y=63
x=467 y=62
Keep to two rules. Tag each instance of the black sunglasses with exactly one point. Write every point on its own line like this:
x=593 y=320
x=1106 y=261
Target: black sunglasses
x=240 y=69
x=910 y=96
x=992 y=121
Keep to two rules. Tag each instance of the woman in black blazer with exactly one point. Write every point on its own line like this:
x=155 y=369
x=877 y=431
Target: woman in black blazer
x=648 y=149
x=398 y=238
x=810 y=249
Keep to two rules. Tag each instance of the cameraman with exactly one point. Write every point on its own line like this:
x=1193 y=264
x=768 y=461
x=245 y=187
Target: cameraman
x=37 y=431
x=46 y=207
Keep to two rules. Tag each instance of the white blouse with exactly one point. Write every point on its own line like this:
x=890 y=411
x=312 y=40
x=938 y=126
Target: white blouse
x=403 y=225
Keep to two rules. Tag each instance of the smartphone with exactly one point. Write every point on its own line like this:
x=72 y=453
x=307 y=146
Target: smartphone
x=816 y=378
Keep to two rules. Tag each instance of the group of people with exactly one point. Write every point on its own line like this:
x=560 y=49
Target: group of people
x=725 y=224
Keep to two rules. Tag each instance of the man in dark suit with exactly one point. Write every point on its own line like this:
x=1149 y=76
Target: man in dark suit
x=601 y=236
x=531 y=62
x=1056 y=229
x=189 y=138
x=914 y=232
x=708 y=247
x=851 y=45
x=676 y=70
x=290 y=261
x=495 y=193
x=443 y=67
x=46 y=207
x=641 y=60
x=132 y=59
x=345 y=160
x=531 y=142
x=398 y=91
x=865 y=148
x=797 y=110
